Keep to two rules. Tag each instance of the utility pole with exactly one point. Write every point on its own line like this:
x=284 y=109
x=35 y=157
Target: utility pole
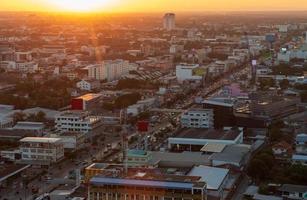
x=123 y=122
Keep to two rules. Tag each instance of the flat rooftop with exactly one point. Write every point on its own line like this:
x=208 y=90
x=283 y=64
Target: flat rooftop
x=40 y=139
x=213 y=176
x=183 y=159
x=73 y=113
x=146 y=177
x=232 y=153
x=202 y=133
x=29 y=125
x=89 y=96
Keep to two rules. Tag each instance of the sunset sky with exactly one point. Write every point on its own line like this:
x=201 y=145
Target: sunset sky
x=150 y=5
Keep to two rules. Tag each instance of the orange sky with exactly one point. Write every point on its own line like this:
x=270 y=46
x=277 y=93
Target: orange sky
x=151 y=5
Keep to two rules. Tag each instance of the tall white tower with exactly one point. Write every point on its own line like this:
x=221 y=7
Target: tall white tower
x=169 y=21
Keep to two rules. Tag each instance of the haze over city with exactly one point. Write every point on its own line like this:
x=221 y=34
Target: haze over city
x=152 y=5
x=153 y=100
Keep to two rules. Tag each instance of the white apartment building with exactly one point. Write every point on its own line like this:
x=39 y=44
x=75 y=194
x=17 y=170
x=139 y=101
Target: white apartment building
x=23 y=56
x=41 y=150
x=88 y=85
x=27 y=67
x=169 y=21
x=109 y=70
x=197 y=118
x=76 y=121
x=187 y=72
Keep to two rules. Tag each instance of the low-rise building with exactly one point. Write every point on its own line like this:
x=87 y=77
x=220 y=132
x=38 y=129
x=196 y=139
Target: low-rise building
x=146 y=184
x=72 y=141
x=37 y=127
x=186 y=72
x=88 y=101
x=77 y=121
x=41 y=150
x=195 y=139
x=88 y=85
x=236 y=155
x=293 y=192
x=301 y=144
x=197 y=118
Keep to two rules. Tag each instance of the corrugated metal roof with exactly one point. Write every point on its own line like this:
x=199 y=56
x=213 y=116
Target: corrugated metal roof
x=213 y=176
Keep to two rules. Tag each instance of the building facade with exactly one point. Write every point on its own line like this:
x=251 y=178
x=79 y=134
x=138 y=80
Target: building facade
x=197 y=118
x=76 y=121
x=41 y=150
x=109 y=70
x=144 y=186
x=169 y=21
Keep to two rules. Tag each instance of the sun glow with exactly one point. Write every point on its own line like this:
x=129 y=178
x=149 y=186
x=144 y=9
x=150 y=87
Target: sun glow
x=80 y=5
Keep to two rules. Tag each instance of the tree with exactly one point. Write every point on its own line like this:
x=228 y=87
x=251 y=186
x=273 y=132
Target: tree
x=127 y=100
x=284 y=84
x=40 y=116
x=266 y=83
x=260 y=166
x=258 y=169
x=275 y=134
x=18 y=116
x=304 y=96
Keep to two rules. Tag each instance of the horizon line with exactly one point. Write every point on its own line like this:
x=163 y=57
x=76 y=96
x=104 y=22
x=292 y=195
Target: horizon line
x=151 y=12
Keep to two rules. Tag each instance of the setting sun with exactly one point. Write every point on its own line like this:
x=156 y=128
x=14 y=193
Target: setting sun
x=79 y=5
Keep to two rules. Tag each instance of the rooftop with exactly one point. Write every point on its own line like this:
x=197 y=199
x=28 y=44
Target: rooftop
x=89 y=96
x=40 y=139
x=146 y=177
x=202 y=133
x=213 y=148
x=232 y=153
x=213 y=176
x=184 y=159
x=29 y=125
x=293 y=188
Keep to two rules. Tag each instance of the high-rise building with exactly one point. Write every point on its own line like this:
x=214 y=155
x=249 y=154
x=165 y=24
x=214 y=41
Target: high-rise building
x=109 y=70
x=169 y=21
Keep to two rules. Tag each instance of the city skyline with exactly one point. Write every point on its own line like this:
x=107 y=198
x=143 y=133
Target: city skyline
x=152 y=5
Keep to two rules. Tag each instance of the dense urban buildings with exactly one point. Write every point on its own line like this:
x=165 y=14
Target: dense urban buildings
x=151 y=106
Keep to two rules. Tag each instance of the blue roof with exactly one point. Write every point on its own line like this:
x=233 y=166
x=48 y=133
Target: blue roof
x=98 y=181
x=299 y=157
x=301 y=137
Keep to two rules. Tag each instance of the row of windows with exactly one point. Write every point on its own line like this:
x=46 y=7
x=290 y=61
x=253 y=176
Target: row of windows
x=68 y=119
x=37 y=150
x=78 y=125
x=117 y=196
x=193 y=114
x=38 y=157
x=74 y=129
